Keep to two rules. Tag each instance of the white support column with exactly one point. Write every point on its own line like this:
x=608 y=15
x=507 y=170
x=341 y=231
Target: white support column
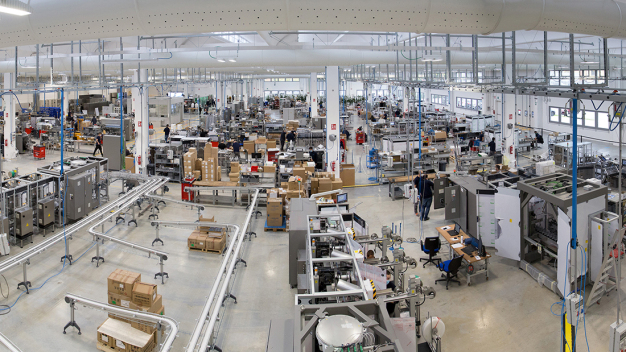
x=219 y=99
x=333 y=149
x=142 y=122
x=405 y=100
x=66 y=102
x=10 y=151
x=313 y=89
x=245 y=94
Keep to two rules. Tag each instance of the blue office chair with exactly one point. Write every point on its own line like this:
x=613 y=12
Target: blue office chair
x=451 y=268
x=431 y=246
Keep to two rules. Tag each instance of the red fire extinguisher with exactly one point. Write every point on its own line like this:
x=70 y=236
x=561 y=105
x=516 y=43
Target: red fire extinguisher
x=332 y=165
x=139 y=160
x=511 y=150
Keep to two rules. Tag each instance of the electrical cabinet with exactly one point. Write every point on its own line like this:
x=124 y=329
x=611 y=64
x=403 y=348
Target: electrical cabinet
x=45 y=212
x=453 y=202
x=75 y=197
x=90 y=199
x=23 y=222
x=439 y=200
x=112 y=151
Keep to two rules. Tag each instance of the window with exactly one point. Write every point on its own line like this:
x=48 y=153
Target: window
x=603 y=120
x=281 y=80
x=468 y=103
x=296 y=79
x=321 y=93
x=585 y=118
x=590 y=119
x=359 y=93
x=439 y=99
x=554 y=114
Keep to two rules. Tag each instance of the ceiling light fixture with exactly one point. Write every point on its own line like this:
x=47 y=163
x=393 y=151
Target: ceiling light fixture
x=15 y=7
x=431 y=58
x=221 y=60
x=232 y=60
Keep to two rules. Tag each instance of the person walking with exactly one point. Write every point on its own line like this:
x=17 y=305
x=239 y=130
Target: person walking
x=283 y=136
x=425 y=190
x=166 y=130
x=98 y=145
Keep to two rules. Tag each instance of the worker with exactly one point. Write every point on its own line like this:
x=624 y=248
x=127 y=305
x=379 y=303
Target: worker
x=291 y=137
x=203 y=133
x=94 y=120
x=391 y=306
x=481 y=136
x=236 y=146
x=347 y=133
x=470 y=145
x=312 y=155
x=70 y=118
x=221 y=146
x=98 y=145
x=492 y=147
x=283 y=134
x=166 y=130
x=370 y=254
x=425 y=190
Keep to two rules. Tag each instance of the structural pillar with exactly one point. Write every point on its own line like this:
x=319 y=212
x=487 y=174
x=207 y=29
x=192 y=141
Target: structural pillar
x=10 y=151
x=313 y=89
x=333 y=150
x=405 y=101
x=142 y=121
x=219 y=99
x=244 y=96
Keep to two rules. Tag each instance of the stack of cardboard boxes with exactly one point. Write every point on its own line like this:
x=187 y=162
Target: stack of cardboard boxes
x=348 y=173
x=324 y=182
x=292 y=125
x=275 y=211
x=125 y=289
x=234 y=172
x=207 y=239
x=189 y=162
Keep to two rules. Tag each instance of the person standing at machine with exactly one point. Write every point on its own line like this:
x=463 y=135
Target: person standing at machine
x=166 y=130
x=492 y=147
x=291 y=137
x=425 y=190
x=283 y=135
x=94 y=121
x=98 y=145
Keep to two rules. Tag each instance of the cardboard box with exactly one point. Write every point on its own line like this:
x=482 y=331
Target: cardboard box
x=156 y=306
x=197 y=174
x=198 y=165
x=129 y=163
x=271 y=144
x=274 y=220
x=269 y=169
x=348 y=173
x=295 y=194
x=216 y=243
x=144 y=294
x=337 y=184
x=205 y=217
x=122 y=281
x=325 y=185
x=119 y=336
x=197 y=240
x=300 y=171
x=249 y=146
x=234 y=176
x=440 y=135
x=275 y=206
x=234 y=165
x=119 y=300
x=194 y=152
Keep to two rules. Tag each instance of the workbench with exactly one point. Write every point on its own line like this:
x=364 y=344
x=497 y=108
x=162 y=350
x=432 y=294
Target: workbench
x=476 y=265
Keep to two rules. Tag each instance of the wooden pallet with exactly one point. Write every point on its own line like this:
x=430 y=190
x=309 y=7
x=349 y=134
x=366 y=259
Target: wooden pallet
x=218 y=251
x=276 y=229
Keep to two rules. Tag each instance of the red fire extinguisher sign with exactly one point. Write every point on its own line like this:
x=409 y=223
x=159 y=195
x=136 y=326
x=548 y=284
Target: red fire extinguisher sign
x=333 y=126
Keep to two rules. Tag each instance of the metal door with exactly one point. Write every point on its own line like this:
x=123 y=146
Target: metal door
x=439 y=200
x=508 y=240
x=453 y=202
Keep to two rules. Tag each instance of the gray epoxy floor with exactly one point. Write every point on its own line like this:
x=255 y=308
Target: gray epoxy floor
x=509 y=312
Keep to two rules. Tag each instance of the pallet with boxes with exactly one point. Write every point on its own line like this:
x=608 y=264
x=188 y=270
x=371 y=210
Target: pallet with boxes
x=275 y=215
x=119 y=333
x=207 y=238
x=205 y=169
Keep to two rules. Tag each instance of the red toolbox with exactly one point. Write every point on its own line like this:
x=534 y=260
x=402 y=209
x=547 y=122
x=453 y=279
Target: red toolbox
x=39 y=152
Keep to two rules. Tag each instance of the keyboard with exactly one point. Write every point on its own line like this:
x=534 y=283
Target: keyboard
x=469 y=250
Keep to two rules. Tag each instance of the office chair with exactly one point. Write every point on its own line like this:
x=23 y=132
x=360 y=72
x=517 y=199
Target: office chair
x=451 y=268
x=431 y=246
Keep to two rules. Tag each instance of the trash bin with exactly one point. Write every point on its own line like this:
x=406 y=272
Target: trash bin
x=442 y=165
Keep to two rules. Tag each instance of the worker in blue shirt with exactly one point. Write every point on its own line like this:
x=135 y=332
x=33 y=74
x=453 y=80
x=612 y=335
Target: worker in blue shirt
x=425 y=189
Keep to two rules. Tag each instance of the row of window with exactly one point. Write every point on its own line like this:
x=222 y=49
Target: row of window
x=468 y=103
x=439 y=99
x=586 y=118
x=562 y=77
x=282 y=80
x=282 y=93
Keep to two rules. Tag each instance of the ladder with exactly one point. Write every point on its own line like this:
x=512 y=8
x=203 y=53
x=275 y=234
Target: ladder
x=604 y=283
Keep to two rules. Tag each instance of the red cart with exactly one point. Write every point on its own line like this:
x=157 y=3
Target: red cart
x=39 y=152
x=187 y=182
x=360 y=137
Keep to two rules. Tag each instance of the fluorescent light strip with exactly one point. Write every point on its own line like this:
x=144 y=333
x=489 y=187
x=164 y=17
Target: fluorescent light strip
x=15 y=7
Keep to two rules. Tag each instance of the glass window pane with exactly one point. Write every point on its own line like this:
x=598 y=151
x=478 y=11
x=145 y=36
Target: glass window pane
x=603 y=120
x=580 y=118
x=590 y=118
x=296 y=79
x=458 y=102
x=554 y=114
x=566 y=116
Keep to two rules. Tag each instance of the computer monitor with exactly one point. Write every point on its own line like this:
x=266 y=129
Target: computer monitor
x=457 y=228
x=342 y=198
x=257 y=155
x=623 y=162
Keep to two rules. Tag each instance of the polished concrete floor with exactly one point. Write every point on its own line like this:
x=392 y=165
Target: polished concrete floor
x=509 y=312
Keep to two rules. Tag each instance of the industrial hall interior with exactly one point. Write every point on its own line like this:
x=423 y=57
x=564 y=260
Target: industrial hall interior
x=312 y=176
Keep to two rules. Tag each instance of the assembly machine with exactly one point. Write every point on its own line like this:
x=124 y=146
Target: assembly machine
x=545 y=231
x=85 y=179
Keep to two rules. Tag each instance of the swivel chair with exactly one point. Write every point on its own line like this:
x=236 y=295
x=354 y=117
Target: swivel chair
x=451 y=268
x=431 y=246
